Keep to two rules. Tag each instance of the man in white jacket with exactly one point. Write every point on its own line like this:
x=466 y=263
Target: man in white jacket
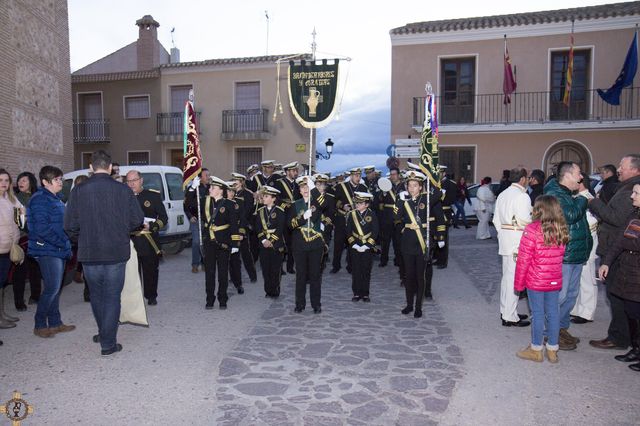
x=512 y=214
x=484 y=208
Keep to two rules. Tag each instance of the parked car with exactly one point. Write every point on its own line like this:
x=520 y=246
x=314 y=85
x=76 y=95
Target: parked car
x=168 y=181
x=470 y=208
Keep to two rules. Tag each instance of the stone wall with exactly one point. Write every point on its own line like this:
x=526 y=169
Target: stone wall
x=35 y=86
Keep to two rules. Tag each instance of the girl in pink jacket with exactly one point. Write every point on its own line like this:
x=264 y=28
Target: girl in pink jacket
x=539 y=270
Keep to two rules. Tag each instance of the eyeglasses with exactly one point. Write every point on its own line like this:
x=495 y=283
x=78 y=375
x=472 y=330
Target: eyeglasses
x=57 y=180
x=133 y=180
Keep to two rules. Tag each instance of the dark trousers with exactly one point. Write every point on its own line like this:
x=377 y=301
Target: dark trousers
x=254 y=246
x=442 y=254
x=248 y=259
x=308 y=271
x=235 y=270
x=397 y=237
x=148 y=265
x=288 y=241
x=216 y=257
x=29 y=268
x=386 y=236
x=428 y=276
x=270 y=262
x=618 y=326
x=339 y=240
x=106 y=283
x=361 y=273
x=414 y=265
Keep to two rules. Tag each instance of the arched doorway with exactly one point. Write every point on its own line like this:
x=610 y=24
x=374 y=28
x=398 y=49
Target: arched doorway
x=567 y=151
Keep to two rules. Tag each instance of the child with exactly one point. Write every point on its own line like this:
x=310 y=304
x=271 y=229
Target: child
x=269 y=225
x=539 y=270
x=362 y=232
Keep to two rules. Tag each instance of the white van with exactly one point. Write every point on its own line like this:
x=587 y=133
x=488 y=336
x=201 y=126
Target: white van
x=168 y=181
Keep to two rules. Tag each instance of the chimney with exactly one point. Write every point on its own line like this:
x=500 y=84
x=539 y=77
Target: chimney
x=148 y=47
x=175 y=55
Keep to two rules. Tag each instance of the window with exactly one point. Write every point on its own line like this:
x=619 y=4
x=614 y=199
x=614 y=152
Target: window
x=153 y=181
x=247 y=95
x=580 y=95
x=246 y=157
x=136 y=107
x=91 y=125
x=458 y=78
x=460 y=161
x=179 y=96
x=138 y=158
x=174 y=185
x=86 y=160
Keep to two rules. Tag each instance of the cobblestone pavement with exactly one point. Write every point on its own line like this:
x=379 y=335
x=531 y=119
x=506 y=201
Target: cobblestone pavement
x=355 y=363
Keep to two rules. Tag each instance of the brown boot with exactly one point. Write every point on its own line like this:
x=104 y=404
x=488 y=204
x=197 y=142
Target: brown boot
x=63 y=328
x=44 y=332
x=530 y=354
x=564 y=334
x=552 y=356
x=194 y=269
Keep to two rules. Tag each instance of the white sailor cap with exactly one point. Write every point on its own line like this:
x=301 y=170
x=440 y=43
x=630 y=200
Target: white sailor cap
x=369 y=169
x=292 y=165
x=355 y=170
x=238 y=176
x=415 y=175
x=362 y=197
x=216 y=181
x=305 y=180
x=270 y=190
x=267 y=163
x=252 y=168
x=321 y=177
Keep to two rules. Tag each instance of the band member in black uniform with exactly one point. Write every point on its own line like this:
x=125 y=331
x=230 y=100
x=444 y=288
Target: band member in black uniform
x=289 y=193
x=370 y=180
x=449 y=193
x=221 y=238
x=344 y=204
x=245 y=200
x=386 y=205
x=269 y=224
x=146 y=239
x=308 y=245
x=251 y=183
x=235 y=265
x=412 y=212
x=328 y=202
x=362 y=231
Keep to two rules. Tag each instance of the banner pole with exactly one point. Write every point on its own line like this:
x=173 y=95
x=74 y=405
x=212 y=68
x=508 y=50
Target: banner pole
x=311 y=152
x=195 y=117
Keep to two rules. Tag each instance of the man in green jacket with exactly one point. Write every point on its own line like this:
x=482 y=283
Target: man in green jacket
x=574 y=207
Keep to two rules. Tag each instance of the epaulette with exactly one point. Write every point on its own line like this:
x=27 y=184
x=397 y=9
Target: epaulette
x=329 y=194
x=260 y=208
x=154 y=190
x=280 y=208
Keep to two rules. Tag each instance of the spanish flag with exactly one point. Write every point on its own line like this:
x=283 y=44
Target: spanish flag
x=192 y=163
x=569 y=76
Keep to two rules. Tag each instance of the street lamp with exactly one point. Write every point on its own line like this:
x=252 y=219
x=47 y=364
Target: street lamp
x=328 y=146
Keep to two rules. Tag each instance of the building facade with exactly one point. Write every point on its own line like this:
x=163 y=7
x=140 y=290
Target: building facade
x=131 y=103
x=35 y=86
x=480 y=134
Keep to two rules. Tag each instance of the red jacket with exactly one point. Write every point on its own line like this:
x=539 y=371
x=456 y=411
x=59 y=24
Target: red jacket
x=539 y=267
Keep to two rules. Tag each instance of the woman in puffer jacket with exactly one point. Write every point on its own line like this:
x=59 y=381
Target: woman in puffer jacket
x=539 y=270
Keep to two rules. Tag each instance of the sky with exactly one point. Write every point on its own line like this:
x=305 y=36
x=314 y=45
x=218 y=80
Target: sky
x=355 y=29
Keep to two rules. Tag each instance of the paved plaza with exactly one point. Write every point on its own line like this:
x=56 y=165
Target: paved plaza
x=258 y=363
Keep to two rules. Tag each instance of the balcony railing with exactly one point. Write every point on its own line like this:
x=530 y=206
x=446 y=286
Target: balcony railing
x=172 y=123
x=91 y=131
x=244 y=124
x=532 y=107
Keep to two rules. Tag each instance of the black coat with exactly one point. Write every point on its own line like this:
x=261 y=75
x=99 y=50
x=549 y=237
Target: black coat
x=609 y=188
x=536 y=191
x=626 y=251
x=101 y=213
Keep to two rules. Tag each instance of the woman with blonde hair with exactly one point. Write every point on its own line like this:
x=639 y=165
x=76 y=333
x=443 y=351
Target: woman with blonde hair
x=539 y=270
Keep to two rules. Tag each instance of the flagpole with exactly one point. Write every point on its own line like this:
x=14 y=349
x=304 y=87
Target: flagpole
x=193 y=105
x=311 y=149
x=504 y=56
x=429 y=99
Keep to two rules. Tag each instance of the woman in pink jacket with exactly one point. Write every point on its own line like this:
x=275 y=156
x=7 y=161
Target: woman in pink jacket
x=539 y=270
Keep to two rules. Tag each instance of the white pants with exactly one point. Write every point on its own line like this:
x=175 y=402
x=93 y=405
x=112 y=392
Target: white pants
x=508 y=296
x=588 y=296
x=482 y=233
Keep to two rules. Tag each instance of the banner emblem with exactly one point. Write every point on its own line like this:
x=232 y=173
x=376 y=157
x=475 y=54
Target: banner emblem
x=313 y=87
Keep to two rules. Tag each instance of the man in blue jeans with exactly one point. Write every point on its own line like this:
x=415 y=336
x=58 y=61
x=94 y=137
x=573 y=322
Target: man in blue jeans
x=568 y=188
x=101 y=214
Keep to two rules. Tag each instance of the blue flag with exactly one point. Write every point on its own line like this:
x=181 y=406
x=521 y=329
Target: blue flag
x=612 y=95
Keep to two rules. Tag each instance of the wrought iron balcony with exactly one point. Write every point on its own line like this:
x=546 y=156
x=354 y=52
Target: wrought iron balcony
x=245 y=124
x=91 y=131
x=172 y=123
x=531 y=107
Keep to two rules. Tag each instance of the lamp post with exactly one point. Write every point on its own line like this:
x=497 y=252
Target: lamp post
x=328 y=146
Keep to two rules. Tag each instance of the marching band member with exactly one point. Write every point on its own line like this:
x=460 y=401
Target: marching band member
x=289 y=192
x=245 y=199
x=362 y=231
x=270 y=224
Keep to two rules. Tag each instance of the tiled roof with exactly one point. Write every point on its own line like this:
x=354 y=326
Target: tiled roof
x=530 y=18
x=235 y=61
x=115 y=76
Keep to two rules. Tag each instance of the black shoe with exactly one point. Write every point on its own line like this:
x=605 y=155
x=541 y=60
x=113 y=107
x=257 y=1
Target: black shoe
x=407 y=309
x=298 y=309
x=33 y=301
x=579 y=320
x=523 y=316
x=253 y=280
x=116 y=348
x=349 y=269
x=240 y=290
x=635 y=367
x=87 y=298
x=208 y=306
x=291 y=271
x=223 y=305
x=21 y=308
x=282 y=272
x=317 y=310
x=355 y=298
x=428 y=296
x=467 y=226
x=382 y=265
x=456 y=226
x=442 y=266
x=417 y=313
x=152 y=302
x=366 y=299
x=521 y=323
x=631 y=356
x=96 y=338
x=334 y=270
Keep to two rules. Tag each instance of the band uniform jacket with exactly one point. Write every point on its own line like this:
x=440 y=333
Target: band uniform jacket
x=412 y=214
x=511 y=214
x=269 y=225
x=260 y=180
x=152 y=206
x=191 y=209
x=344 y=195
x=244 y=199
x=289 y=192
x=304 y=236
x=220 y=222
x=362 y=228
x=387 y=203
x=328 y=203
x=449 y=195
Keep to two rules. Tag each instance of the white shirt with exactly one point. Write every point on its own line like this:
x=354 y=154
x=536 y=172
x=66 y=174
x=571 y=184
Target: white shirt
x=512 y=214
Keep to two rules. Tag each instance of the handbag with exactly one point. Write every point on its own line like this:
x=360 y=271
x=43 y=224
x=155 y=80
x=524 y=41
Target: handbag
x=16 y=254
x=633 y=229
